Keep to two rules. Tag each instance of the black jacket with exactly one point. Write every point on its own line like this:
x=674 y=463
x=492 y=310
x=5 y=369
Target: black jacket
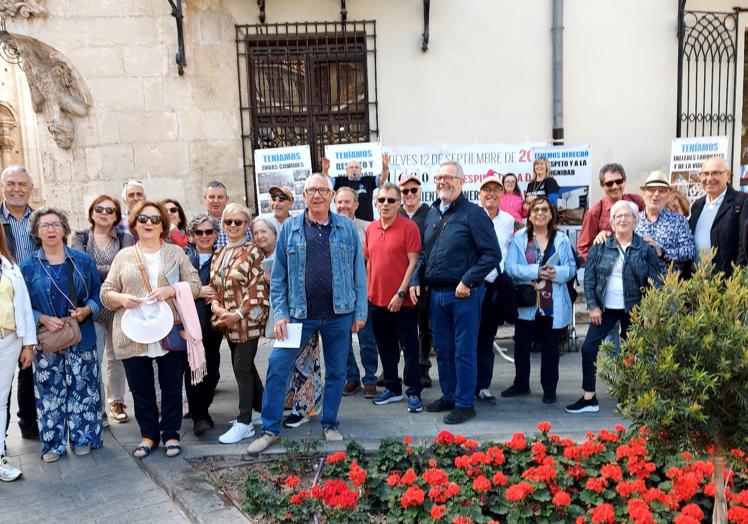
x=465 y=250
x=728 y=230
x=203 y=310
x=419 y=217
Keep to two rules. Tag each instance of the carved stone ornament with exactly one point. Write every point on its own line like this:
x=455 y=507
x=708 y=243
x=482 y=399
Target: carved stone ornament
x=57 y=89
x=25 y=9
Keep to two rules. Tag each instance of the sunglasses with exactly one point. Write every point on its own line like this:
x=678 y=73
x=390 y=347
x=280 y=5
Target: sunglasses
x=538 y=210
x=389 y=200
x=101 y=209
x=412 y=190
x=611 y=183
x=203 y=232
x=279 y=197
x=233 y=221
x=155 y=219
x=172 y=209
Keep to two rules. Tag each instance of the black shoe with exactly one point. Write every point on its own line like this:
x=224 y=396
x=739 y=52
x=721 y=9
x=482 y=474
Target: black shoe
x=584 y=406
x=201 y=426
x=30 y=433
x=459 y=415
x=485 y=396
x=439 y=405
x=549 y=399
x=514 y=391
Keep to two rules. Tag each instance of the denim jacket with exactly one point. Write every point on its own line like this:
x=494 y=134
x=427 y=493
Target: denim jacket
x=87 y=285
x=287 y=287
x=639 y=265
x=523 y=273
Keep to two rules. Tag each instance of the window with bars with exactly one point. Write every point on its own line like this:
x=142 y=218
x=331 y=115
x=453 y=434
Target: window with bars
x=306 y=83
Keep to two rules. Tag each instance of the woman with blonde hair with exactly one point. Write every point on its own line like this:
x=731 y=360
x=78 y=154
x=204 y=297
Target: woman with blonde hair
x=240 y=309
x=17 y=341
x=542 y=183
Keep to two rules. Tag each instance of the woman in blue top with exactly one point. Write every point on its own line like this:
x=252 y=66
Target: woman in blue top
x=540 y=255
x=68 y=402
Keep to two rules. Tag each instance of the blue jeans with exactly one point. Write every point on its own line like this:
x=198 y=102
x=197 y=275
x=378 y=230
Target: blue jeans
x=336 y=336
x=455 y=324
x=368 y=352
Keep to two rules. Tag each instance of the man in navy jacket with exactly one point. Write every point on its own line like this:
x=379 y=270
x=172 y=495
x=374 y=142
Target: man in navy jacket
x=459 y=250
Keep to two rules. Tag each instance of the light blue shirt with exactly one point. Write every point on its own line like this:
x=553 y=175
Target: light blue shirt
x=703 y=232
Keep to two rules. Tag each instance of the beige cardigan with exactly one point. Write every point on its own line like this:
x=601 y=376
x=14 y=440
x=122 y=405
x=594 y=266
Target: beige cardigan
x=125 y=277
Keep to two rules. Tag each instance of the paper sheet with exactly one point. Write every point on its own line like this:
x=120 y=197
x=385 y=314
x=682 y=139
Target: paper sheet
x=294 y=337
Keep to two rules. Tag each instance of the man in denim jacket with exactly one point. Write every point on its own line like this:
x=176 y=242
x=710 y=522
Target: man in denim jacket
x=318 y=281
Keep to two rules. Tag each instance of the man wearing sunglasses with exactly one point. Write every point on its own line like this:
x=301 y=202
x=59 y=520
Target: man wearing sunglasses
x=597 y=219
x=364 y=185
x=414 y=209
x=318 y=281
x=14 y=219
x=281 y=202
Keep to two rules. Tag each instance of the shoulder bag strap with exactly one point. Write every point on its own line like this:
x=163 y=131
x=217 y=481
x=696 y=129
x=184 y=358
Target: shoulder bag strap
x=71 y=282
x=439 y=228
x=141 y=267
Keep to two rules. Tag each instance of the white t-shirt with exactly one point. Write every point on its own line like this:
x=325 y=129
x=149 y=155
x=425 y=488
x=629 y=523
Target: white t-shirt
x=614 y=290
x=152 y=263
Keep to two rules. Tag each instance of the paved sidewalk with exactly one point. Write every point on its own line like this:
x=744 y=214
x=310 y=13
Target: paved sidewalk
x=105 y=485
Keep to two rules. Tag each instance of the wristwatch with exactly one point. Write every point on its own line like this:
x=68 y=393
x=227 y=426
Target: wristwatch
x=400 y=293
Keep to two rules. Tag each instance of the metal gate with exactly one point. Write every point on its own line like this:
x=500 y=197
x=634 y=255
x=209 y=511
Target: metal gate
x=306 y=83
x=707 y=79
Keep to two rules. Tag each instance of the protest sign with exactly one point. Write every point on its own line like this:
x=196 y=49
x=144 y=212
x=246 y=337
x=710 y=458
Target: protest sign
x=367 y=154
x=572 y=171
x=687 y=155
x=285 y=167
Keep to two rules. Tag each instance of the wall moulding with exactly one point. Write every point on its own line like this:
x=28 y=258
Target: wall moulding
x=27 y=9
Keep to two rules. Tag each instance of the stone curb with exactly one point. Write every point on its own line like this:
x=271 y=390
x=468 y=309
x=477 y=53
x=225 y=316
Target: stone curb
x=197 y=498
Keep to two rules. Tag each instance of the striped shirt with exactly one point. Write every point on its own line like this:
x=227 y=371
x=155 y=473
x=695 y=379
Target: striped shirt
x=24 y=244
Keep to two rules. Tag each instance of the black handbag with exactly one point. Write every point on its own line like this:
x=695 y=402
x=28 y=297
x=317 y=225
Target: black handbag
x=526 y=295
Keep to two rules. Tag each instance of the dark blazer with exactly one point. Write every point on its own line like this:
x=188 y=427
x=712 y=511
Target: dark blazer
x=728 y=230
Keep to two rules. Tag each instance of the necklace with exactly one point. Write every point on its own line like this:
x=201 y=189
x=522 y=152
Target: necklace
x=56 y=272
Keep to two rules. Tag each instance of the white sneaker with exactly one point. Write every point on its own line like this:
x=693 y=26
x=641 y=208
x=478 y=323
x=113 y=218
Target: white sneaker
x=8 y=472
x=237 y=432
x=332 y=435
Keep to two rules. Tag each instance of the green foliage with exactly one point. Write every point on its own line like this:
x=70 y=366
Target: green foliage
x=683 y=372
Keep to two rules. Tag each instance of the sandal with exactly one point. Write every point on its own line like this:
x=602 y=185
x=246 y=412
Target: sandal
x=172 y=450
x=144 y=449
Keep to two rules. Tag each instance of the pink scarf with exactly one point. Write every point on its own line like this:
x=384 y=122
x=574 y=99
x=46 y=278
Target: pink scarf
x=185 y=305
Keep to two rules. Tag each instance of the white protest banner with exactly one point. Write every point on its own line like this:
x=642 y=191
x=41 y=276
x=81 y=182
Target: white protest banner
x=572 y=171
x=476 y=160
x=687 y=155
x=367 y=154
x=285 y=167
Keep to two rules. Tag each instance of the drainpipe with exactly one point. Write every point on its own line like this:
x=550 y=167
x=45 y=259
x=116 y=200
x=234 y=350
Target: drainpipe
x=557 y=39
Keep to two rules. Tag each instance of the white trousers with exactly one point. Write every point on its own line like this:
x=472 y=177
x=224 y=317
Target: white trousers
x=10 y=350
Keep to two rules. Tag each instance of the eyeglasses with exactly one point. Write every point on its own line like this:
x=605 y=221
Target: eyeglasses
x=411 y=191
x=611 y=183
x=444 y=178
x=155 y=219
x=621 y=216
x=51 y=225
x=538 y=210
x=323 y=191
x=710 y=174
x=279 y=197
x=203 y=232
x=233 y=221
x=389 y=200
x=492 y=189
x=172 y=209
x=101 y=209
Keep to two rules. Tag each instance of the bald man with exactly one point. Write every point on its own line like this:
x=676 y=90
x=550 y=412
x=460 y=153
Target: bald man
x=363 y=185
x=719 y=218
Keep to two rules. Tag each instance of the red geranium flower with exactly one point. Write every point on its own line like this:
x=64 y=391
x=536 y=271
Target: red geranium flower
x=409 y=477
x=393 y=479
x=357 y=474
x=612 y=472
x=413 y=496
x=499 y=479
x=481 y=483
x=544 y=427
x=561 y=499
x=292 y=481
x=604 y=513
x=435 y=477
x=437 y=511
x=407 y=440
x=518 y=442
x=462 y=519
x=336 y=457
x=519 y=491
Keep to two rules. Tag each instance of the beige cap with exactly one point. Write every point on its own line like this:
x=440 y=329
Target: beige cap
x=656 y=179
x=493 y=179
x=407 y=177
x=281 y=189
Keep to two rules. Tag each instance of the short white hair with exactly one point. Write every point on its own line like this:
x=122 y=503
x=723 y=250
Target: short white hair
x=327 y=178
x=624 y=204
x=15 y=168
x=131 y=183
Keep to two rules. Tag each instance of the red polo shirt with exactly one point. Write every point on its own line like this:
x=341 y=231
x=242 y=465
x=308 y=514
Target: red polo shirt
x=387 y=251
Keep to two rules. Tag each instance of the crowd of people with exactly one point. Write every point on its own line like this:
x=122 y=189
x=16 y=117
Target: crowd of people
x=144 y=297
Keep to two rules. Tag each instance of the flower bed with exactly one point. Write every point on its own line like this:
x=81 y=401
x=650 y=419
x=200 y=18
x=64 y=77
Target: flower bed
x=610 y=477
